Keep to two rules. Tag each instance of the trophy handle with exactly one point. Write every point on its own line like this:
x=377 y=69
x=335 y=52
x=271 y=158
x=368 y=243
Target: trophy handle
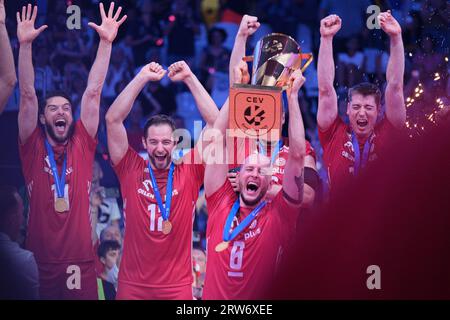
x=309 y=59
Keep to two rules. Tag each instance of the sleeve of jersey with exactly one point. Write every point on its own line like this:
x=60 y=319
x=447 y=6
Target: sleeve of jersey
x=83 y=139
x=130 y=164
x=326 y=136
x=196 y=167
x=28 y=150
x=224 y=197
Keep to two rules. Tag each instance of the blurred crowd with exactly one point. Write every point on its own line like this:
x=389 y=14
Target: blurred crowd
x=202 y=32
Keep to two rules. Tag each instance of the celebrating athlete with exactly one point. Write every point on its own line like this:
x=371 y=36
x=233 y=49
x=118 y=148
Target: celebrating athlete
x=159 y=196
x=57 y=158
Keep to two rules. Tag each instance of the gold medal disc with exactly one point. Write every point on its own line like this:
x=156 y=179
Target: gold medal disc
x=222 y=246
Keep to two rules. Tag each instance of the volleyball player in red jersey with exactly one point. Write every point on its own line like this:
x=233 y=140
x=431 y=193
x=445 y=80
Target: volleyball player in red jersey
x=57 y=159
x=277 y=151
x=156 y=261
x=247 y=234
x=347 y=149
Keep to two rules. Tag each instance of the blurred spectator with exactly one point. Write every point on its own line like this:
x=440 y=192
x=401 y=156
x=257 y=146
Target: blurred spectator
x=46 y=77
x=180 y=30
x=119 y=69
x=144 y=33
x=104 y=210
x=198 y=271
x=427 y=60
x=215 y=57
x=353 y=15
x=108 y=253
x=112 y=232
x=135 y=126
x=350 y=65
x=19 y=277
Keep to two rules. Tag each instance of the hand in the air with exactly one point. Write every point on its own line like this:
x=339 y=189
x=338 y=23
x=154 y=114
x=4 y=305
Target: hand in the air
x=179 y=71
x=330 y=25
x=110 y=25
x=26 y=32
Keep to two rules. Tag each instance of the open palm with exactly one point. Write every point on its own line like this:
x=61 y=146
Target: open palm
x=110 y=25
x=26 y=31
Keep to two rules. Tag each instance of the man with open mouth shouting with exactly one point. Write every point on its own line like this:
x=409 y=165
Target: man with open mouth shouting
x=57 y=159
x=247 y=233
x=159 y=196
x=349 y=148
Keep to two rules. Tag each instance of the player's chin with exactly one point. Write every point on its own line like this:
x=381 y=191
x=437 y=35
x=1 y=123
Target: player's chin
x=251 y=198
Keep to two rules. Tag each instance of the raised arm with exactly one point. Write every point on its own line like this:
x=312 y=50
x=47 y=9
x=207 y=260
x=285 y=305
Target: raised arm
x=90 y=102
x=216 y=173
x=328 y=108
x=121 y=107
x=28 y=105
x=180 y=71
x=248 y=26
x=395 y=101
x=293 y=180
x=8 y=77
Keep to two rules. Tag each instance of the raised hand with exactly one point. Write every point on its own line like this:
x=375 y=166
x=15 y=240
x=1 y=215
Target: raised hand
x=296 y=81
x=241 y=74
x=389 y=24
x=330 y=25
x=110 y=25
x=248 y=26
x=179 y=71
x=26 y=32
x=152 y=72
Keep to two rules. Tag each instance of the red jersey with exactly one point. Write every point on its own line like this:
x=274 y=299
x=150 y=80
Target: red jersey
x=151 y=258
x=59 y=237
x=338 y=153
x=247 y=267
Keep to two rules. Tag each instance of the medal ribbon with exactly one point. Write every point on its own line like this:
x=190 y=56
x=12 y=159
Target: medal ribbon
x=360 y=163
x=59 y=181
x=227 y=235
x=262 y=150
x=165 y=210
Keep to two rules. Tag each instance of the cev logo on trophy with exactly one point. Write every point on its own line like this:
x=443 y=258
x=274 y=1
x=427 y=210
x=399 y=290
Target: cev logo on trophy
x=256 y=108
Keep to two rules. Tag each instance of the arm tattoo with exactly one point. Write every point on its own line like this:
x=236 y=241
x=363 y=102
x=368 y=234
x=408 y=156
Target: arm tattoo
x=299 y=181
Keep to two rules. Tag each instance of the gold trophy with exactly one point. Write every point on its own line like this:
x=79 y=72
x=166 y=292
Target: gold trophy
x=256 y=108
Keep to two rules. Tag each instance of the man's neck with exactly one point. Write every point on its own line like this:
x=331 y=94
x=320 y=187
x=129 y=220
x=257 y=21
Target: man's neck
x=54 y=143
x=243 y=205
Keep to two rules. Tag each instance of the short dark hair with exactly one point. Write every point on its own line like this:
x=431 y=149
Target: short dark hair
x=106 y=246
x=8 y=200
x=43 y=100
x=158 y=120
x=222 y=32
x=365 y=89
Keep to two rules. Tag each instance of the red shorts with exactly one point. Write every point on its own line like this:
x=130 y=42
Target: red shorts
x=68 y=281
x=127 y=291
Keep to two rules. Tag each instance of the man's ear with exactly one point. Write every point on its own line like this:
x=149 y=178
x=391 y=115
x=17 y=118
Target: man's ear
x=144 y=143
x=42 y=119
x=102 y=260
x=348 y=108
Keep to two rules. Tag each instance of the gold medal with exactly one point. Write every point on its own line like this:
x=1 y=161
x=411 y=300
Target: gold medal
x=166 y=227
x=61 y=205
x=222 y=246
